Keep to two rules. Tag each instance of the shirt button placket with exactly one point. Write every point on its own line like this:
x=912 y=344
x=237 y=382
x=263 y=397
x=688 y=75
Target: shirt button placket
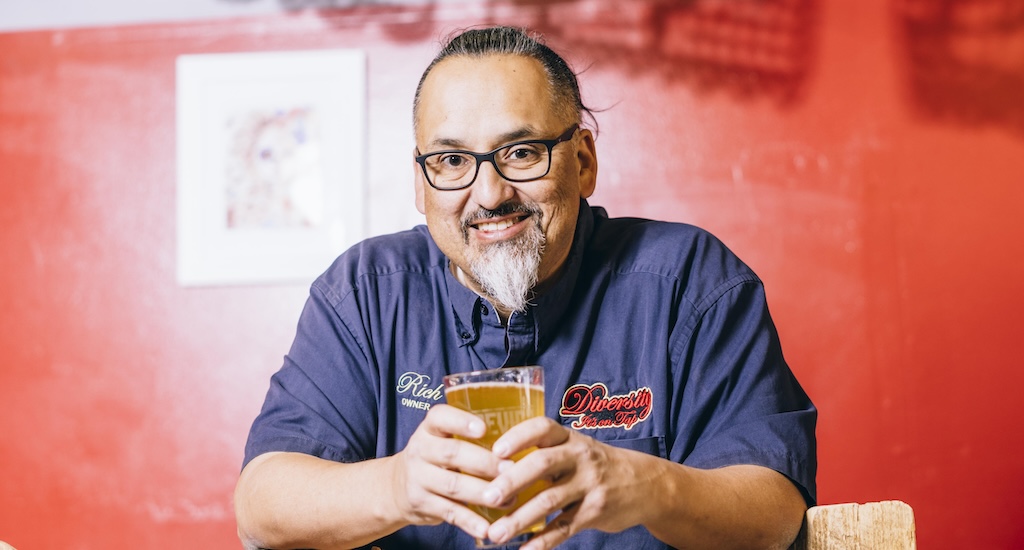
x=519 y=334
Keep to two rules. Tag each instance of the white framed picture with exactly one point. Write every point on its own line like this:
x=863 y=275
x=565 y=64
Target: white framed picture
x=270 y=164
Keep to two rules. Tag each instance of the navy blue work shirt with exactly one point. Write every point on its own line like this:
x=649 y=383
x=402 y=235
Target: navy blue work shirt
x=654 y=338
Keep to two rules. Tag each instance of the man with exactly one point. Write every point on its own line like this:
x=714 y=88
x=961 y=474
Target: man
x=673 y=419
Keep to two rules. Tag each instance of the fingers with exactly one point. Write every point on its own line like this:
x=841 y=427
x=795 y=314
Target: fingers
x=440 y=473
x=556 y=497
x=436 y=444
x=553 y=463
x=453 y=485
x=534 y=432
x=445 y=421
x=429 y=508
x=558 y=531
x=539 y=445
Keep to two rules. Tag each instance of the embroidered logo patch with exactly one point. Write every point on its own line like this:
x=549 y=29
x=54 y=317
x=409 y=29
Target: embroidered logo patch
x=593 y=408
x=417 y=390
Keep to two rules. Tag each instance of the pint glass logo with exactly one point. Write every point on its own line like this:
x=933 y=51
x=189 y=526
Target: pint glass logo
x=593 y=408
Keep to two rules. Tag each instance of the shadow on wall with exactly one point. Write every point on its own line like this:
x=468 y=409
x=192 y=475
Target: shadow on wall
x=965 y=60
x=751 y=48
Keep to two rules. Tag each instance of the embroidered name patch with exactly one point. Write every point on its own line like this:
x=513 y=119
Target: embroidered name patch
x=417 y=390
x=593 y=408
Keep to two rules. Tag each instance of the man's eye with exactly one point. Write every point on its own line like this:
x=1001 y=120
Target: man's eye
x=521 y=153
x=452 y=161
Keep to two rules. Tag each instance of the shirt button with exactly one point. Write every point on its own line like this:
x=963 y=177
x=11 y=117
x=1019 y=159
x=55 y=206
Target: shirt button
x=483 y=310
x=466 y=335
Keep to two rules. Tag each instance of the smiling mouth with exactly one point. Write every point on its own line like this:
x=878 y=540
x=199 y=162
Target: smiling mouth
x=502 y=222
x=498 y=225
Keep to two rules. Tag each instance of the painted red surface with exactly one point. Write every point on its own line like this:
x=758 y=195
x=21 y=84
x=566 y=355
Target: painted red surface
x=867 y=159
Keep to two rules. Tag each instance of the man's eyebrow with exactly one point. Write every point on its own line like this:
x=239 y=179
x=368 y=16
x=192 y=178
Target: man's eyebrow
x=525 y=132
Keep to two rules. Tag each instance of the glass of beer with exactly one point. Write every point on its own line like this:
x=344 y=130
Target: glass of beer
x=502 y=398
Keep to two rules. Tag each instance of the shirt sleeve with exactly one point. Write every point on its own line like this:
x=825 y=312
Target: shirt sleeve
x=741 y=402
x=321 y=400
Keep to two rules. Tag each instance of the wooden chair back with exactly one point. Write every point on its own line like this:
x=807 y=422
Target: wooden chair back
x=888 y=525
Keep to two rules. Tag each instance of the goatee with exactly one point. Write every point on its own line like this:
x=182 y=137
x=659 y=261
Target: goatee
x=508 y=271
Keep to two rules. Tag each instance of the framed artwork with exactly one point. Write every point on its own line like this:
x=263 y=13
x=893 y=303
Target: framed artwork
x=270 y=164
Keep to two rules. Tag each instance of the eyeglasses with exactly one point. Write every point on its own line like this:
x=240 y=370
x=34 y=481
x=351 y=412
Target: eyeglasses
x=518 y=161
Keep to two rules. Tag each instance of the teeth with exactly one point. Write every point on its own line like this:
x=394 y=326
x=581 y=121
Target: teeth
x=496 y=226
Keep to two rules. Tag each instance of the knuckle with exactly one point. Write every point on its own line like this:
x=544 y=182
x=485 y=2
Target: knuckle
x=416 y=508
x=598 y=501
x=452 y=484
x=544 y=460
x=594 y=454
x=450 y=451
x=549 y=500
x=418 y=502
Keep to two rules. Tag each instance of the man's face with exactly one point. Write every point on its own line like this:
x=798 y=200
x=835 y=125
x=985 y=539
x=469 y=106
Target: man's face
x=479 y=104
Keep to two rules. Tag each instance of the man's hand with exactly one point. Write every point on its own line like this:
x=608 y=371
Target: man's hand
x=594 y=485
x=294 y=500
x=598 y=486
x=436 y=474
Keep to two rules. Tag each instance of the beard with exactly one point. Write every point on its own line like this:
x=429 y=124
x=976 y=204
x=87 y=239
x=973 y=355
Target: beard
x=508 y=271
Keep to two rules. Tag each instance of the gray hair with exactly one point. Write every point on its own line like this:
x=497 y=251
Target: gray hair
x=515 y=41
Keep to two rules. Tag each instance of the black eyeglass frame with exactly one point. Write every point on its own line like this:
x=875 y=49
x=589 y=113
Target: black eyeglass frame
x=489 y=157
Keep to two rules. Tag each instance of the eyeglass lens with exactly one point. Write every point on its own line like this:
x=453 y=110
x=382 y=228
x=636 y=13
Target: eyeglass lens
x=516 y=162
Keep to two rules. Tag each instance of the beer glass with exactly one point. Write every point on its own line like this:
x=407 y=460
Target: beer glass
x=502 y=398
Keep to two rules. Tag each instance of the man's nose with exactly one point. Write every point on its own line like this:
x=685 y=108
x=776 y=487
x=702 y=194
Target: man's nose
x=490 y=189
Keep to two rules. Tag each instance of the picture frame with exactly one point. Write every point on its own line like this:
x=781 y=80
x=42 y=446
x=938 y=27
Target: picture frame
x=270 y=160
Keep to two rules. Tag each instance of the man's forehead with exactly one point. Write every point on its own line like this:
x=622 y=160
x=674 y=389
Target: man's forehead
x=492 y=98
x=457 y=139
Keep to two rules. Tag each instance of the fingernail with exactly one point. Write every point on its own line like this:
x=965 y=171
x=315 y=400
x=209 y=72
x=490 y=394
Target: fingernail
x=504 y=465
x=500 y=449
x=477 y=428
x=492 y=496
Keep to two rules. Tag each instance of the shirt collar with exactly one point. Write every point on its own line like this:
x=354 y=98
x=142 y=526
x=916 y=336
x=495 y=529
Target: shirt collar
x=465 y=303
x=551 y=306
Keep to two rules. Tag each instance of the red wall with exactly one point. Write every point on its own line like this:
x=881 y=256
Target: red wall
x=866 y=158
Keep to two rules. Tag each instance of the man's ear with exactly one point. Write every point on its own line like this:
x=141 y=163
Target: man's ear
x=420 y=183
x=586 y=154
